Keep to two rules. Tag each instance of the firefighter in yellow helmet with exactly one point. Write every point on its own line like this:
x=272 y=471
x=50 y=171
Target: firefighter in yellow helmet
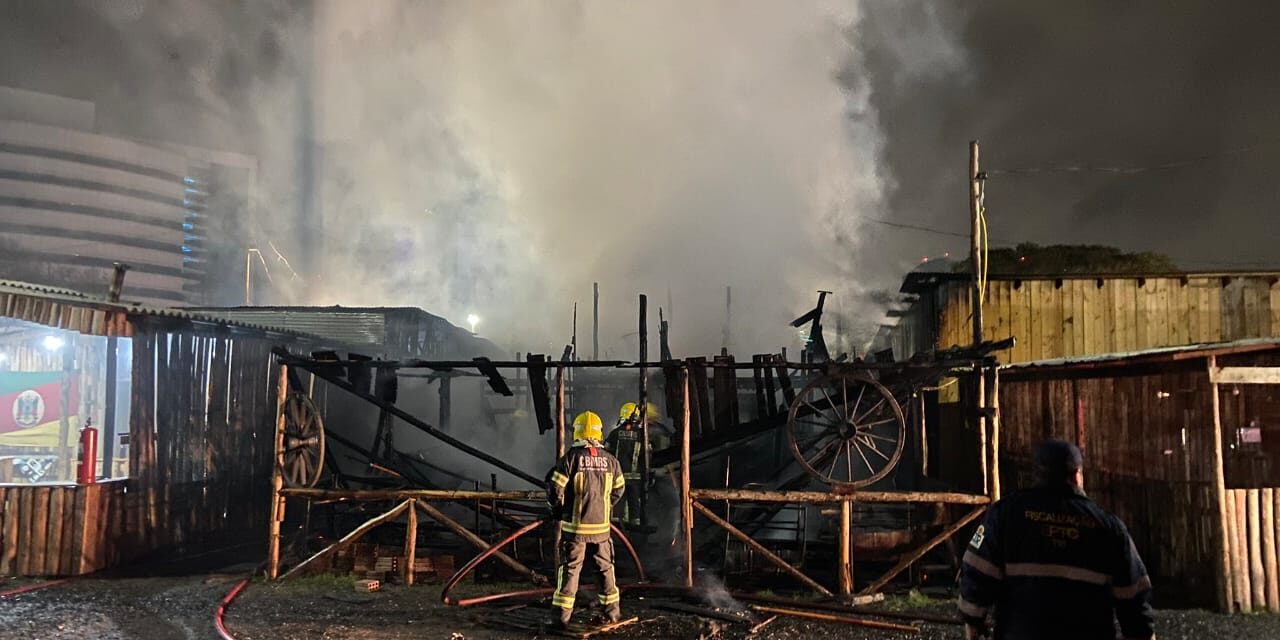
x=624 y=441
x=582 y=489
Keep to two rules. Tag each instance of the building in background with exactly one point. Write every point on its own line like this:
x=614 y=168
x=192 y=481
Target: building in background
x=74 y=202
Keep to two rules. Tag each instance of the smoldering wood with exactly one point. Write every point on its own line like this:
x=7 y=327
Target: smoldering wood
x=704 y=612
x=430 y=430
x=471 y=538
x=354 y=535
x=539 y=391
x=919 y=552
x=760 y=549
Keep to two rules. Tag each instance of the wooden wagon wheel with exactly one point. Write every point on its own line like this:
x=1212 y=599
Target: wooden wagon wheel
x=303 y=441
x=846 y=429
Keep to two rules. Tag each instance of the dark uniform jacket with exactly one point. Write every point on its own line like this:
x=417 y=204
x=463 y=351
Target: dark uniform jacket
x=624 y=442
x=582 y=489
x=1054 y=565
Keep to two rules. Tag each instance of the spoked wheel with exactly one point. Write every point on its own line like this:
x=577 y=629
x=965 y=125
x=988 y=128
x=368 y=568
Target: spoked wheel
x=846 y=429
x=303 y=441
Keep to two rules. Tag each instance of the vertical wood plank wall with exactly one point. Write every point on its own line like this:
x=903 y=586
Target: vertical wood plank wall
x=199 y=461
x=1075 y=316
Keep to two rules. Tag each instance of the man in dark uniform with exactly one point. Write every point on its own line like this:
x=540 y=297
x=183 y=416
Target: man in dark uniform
x=582 y=489
x=1053 y=565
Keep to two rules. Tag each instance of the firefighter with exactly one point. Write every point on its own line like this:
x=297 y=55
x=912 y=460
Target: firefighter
x=1049 y=563
x=624 y=442
x=582 y=489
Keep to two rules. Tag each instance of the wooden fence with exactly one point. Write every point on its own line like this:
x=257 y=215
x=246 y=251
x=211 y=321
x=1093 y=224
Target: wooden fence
x=1253 y=529
x=60 y=530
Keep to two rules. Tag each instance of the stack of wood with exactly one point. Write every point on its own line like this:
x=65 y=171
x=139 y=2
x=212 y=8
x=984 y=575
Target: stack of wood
x=386 y=563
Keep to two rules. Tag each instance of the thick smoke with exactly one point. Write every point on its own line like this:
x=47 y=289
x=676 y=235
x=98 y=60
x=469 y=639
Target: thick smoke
x=1092 y=83
x=500 y=157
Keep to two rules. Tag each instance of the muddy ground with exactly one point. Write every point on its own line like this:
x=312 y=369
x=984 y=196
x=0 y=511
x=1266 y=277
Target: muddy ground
x=181 y=607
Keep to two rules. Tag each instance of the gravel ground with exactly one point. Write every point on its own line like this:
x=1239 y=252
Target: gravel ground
x=161 y=608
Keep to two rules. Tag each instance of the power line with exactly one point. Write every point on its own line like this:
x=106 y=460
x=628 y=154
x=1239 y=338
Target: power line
x=1121 y=170
x=915 y=227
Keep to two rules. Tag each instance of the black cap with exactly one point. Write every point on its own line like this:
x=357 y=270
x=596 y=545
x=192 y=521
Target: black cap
x=1058 y=458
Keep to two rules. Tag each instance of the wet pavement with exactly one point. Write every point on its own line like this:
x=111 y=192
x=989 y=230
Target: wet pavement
x=327 y=607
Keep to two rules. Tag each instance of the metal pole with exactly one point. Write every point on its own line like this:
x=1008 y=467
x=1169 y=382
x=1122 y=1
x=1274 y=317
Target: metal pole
x=109 y=410
x=644 y=410
x=560 y=416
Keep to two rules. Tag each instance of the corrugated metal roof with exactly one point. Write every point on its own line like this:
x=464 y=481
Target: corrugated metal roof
x=1177 y=352
x=78 y=299
x=347 y=326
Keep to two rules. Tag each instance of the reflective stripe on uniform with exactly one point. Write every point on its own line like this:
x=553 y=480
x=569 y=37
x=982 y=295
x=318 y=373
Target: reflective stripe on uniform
x=559 y=479
x=606 y=487
x=984 y=566
x=611 y=598
x=578 y=483
x=1066 y=572
x=972 y=610
x=562 y=601
x=1132 y=591
x=621 y=481
x=584 y=528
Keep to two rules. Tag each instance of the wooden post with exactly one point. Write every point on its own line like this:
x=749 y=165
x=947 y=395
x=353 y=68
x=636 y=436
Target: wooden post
x=846 y=562
x=595 y=321
x=1220 y=490
x=1245 y=594
x=645 y=449
x=410 y=544
x=686 y=506
x=975 y=239
x=760 y=549
x=560 y=417
x=924 y=434
x=984 y=452
x=1269 y=559
x=993 y=418
x=277 y=478
x=1257 y=580
x=108 y=443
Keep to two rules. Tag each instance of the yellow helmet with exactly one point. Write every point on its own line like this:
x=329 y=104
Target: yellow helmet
x=627 y=411
x=587 y=426
x=630 y=411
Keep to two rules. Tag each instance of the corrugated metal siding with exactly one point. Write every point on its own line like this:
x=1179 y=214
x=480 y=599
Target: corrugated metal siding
x=1057 y=318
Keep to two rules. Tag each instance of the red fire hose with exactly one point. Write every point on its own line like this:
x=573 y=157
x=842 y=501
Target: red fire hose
x=32 y=587
x=222 y=609
x=467 y=568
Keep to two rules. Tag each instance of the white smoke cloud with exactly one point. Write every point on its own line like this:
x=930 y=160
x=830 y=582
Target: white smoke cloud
x=498 y=158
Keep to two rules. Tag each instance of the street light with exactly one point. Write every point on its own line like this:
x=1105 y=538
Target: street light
x=473 y=320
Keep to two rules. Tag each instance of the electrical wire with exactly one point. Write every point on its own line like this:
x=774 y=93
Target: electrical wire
x=1175 y=164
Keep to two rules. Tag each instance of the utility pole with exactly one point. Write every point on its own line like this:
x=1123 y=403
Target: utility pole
x=975 y=239
x=728 y=318
x=984 y=401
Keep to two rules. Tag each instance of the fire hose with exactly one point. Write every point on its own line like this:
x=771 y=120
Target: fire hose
x=457 y=577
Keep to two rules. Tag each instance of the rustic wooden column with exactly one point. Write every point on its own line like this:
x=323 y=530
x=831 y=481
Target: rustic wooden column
x=1220 y=491
x=993 y=390
x=560 y=417
x=410 y=544
x=846 y=562
x=686 y=506
x=277 y=478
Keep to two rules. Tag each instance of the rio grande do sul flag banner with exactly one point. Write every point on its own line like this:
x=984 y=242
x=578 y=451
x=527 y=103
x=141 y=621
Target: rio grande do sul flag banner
x=31 y=408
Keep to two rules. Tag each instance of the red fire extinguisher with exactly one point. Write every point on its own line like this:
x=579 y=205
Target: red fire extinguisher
x=87 y=469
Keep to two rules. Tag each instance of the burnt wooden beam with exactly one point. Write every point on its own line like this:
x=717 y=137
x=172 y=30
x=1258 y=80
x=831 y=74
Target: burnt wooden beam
x=423 y=426
x=541 y=392
x=496 y=381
